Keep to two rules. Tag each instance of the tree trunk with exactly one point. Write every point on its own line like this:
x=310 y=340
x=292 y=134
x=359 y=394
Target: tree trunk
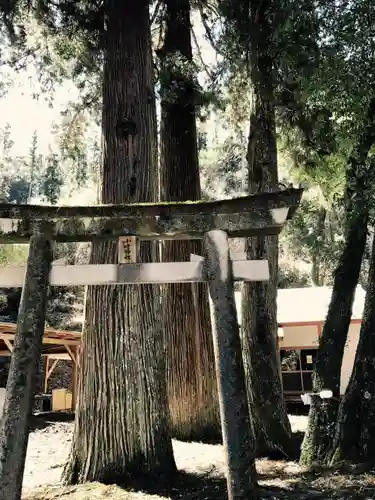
x=318 y=439
x=259 y=321
x=322 y=417
x=355 y=429
x=121 y=428
x=27 y=349
x=192 y=388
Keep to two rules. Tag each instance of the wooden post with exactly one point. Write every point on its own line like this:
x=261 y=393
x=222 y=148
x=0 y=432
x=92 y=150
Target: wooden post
x=74 y=356
x=50 y=370
x=238 y=438
x=14 y=426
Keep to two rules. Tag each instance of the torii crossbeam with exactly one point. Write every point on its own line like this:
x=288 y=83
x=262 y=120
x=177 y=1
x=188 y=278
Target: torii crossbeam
x=214 y=221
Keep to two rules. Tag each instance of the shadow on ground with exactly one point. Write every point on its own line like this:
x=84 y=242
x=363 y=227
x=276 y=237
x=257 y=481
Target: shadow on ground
x=43 y=420
x=342 y=481
x=320 y=485
x=188 y=487
x=279 y=479
x=199 y=487
x=297 y=438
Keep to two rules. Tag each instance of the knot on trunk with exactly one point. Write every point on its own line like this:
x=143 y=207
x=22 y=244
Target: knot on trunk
x=126 y=127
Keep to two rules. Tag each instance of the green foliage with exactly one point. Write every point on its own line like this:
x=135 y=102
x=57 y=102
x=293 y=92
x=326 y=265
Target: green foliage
x=63 y=41
x=323 y=78
x=43 y=177
x=315 y=237
x=323 y=59
x=12 y=255
x=291 y=277
x=53 y=179
x=184 y=75
x=224 y=169
x=23 y=180
x=67 y=41
x=323 y=69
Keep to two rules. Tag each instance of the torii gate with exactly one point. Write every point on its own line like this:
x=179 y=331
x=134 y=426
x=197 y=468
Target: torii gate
x=214 y=221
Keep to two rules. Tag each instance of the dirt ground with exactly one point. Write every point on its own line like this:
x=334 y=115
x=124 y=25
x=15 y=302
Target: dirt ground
x=201 y=475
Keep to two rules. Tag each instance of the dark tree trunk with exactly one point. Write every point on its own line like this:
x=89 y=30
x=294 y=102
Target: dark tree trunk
x=355 y=429
x=121 y=428
x=259 y=320
x=322 y=417
x=317 y=443
x=192 y=388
